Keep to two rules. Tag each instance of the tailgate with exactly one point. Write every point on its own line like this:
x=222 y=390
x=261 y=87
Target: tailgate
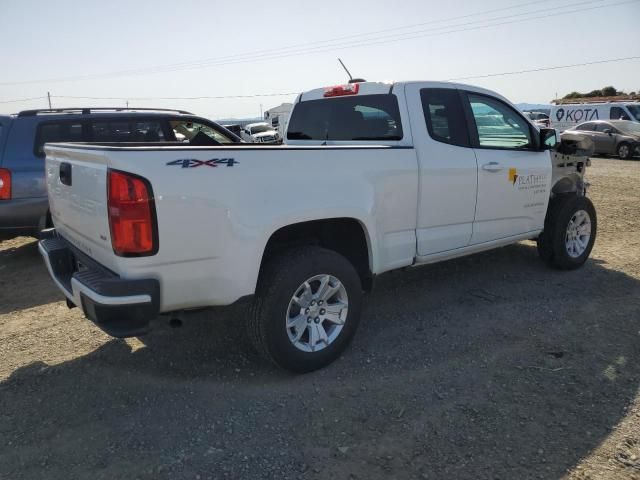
x=77 y=186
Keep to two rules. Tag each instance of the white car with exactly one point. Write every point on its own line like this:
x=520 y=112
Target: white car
x=377 y=177
x=260 y=133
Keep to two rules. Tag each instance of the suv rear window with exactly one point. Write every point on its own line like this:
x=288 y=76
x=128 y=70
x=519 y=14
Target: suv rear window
x=365 y=117
x=68 y=131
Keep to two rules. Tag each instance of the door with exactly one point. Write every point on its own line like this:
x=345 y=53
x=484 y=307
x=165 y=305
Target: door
x=447 y=168
x=605 y=142
x=514 y=175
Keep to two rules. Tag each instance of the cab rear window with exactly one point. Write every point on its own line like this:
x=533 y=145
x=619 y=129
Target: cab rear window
x=365 y=117
x=67 y=131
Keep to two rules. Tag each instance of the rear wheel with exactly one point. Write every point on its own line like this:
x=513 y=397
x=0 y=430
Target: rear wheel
x=307 y=308
x=624 y=151
x=569 y=232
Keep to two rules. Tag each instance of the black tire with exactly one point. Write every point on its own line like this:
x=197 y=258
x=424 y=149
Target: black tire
x=552 y=241
x=624 y=153
x=281 y=277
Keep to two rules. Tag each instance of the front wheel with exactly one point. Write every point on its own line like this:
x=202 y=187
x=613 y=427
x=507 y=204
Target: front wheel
x=569 y=232
x=307 y=308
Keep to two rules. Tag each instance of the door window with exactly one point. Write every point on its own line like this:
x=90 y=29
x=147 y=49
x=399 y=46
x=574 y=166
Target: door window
x=194 y=133
x=617 y=113
x=57 y=132
x=601 y=127
x=586 y=127
x=498 y=125
x=444 y=116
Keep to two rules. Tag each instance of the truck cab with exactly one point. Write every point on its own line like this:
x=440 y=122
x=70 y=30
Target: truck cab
x=478 y=157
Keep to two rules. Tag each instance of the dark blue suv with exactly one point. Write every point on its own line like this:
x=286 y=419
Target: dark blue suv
x=24 y=208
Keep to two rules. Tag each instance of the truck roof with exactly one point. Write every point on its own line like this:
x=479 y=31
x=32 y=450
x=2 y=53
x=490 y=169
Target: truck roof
x=381 y=88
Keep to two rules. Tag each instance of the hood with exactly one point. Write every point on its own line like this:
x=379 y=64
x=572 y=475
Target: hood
x=270 y=133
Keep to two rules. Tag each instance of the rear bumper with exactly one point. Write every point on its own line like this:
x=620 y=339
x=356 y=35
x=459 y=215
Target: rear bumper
x=22 y=216
x=120 y=307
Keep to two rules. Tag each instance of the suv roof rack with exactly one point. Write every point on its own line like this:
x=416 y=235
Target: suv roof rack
x=89 y=110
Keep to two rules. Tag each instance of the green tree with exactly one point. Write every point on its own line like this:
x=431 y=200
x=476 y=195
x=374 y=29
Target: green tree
x=609 y=91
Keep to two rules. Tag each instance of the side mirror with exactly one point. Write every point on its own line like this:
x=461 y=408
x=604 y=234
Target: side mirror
x=548 y=139
x=608 y=131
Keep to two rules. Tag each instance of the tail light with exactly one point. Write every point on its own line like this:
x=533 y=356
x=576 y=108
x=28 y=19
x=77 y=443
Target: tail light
x=132 y=215
x=5 y=184
x=342 y=90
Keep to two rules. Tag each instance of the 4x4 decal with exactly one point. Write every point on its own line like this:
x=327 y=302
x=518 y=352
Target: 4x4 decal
x=193 y=163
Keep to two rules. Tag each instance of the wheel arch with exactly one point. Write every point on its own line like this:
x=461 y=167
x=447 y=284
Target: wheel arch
x=347 y=236
x=569 y=184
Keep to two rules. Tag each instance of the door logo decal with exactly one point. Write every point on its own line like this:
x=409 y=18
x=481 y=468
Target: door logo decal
x=534 y=182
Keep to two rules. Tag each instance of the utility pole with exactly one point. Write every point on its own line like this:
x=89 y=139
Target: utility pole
x=260 y=111
x=127 y=103
x=49 y=98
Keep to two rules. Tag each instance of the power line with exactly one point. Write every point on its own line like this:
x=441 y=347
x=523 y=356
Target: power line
x=17 y=100
x=411 y=36
x=244 y=58
x=236 y=58
x=544 y=69
x=304 y=49
x=488 y=75
x=146 y=69
x=217 y=97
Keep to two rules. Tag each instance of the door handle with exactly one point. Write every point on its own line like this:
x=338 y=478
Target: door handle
x=65 y=173
x=492 y=167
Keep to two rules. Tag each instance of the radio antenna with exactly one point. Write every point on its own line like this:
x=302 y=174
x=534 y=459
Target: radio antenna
x=345 y=69
x=351 y=79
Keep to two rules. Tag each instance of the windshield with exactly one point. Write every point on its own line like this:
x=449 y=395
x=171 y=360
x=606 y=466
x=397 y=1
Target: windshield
x=260 y=129
x=635 y=111
x=194 y=133
x=537 y=116
x=629 y=127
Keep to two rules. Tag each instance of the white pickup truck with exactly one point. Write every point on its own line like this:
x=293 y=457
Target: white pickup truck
x=375 y=177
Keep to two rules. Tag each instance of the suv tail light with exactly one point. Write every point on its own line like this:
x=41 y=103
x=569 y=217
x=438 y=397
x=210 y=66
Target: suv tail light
x=5 y=184
x=132 y=215
x=341 y=90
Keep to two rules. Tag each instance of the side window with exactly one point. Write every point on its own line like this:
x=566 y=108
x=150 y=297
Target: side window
x=126 y=131
x=147 y=131
x=444 y=115
x=194 y=133
x=586 y=127
x=498 y=125
x=617 y=113
x=116 y=131
x=57 y=132
x=601 y=127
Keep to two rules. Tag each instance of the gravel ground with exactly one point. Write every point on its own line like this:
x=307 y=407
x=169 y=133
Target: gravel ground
x=490 y=366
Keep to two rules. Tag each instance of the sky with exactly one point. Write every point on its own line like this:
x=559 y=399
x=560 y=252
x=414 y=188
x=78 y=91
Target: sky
x=123 y=49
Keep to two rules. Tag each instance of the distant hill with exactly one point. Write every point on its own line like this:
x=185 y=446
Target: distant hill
x=239 y=121
x=534 y=107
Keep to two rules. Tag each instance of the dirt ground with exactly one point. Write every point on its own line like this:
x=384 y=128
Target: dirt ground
x=491 y=366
